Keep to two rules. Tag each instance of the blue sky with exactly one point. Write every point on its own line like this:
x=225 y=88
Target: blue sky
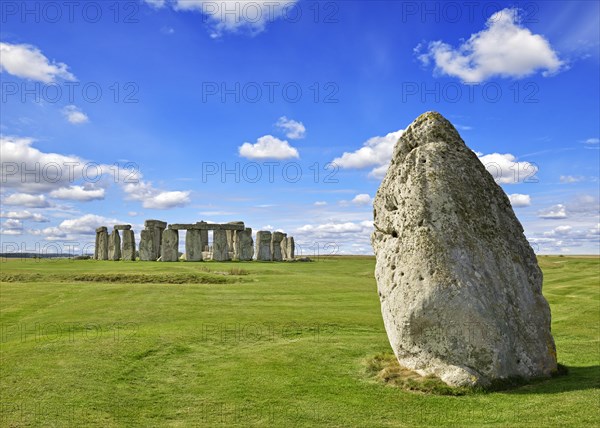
x=283 y=114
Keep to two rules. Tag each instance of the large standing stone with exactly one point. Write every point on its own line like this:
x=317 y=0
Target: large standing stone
x=101 y=248
x=276 y=253
x=284 y=255
x=203 y=235
x=128 y=251
x=460 y=287
x=245 y=244
x=232 y=240
x=193 y=245
x=169 y=246
x=290 y=248
x=263 y=246
x=220 y=246
x=157 y=227
x=114 y=246
x=147 y=251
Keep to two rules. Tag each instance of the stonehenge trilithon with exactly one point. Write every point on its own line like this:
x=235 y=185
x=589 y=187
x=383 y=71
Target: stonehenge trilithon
x=151 y=240
x=459 y=285
x=170 y=246
x=276 y=254
x=101 y=248
x=128 y=250
x=263 y=246
x=114 y=246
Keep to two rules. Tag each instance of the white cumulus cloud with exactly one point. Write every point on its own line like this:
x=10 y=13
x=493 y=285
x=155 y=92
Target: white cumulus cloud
x=268 y=147
x=375 y=152
x=555 y=212
x=294 y=130
x=156 y=3
x=28 y=169
x=71 y=229
x=78 y=193
x=26 y=200
x=504 y=48
x=153 y=198
x=236 y=16
x=28 y=62
x=362 y=199
x=24 y=215
x=506 y=169
x=74 y=115
x=518 y=200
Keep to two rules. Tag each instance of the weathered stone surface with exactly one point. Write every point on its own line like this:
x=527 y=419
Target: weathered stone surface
x=284 y=255
x=290 y=248
x=155 y=223
x=122 y=227
x=460 y=287
x=205 y=226
x=220 y=247
x=147 y=250
x=276 y=239
x=157 y=227
x=183 y=226
x=170 y=246
x=101 y=229
x=128 y=250
x=245 y=245
x=114 y=246
x=194 y=245
x=203 y=236
x=231 y=239
x=263 y=246
x=101 y=250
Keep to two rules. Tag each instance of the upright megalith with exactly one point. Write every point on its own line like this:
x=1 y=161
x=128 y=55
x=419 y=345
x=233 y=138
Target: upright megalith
x=220 y=251
x=290 y=248
x=194 y=245
x=245 y=245
x=156 y=227
x=460 y=287
x=147 y=251
x=284 y=254
x=276 y=254
x=128 y=249
x=232 y=240
x=101 y=247
x=114 y=245
x=263 y=246
x=169 y=249
x=203 y=234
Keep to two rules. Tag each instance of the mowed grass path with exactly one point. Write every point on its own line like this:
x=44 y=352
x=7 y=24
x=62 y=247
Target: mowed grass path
x=280 y=345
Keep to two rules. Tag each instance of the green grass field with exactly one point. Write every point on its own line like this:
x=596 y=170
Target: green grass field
x=88 y=343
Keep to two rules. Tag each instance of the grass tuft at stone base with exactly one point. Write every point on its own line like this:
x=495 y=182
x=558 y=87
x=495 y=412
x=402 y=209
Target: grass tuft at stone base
x=384 y=368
